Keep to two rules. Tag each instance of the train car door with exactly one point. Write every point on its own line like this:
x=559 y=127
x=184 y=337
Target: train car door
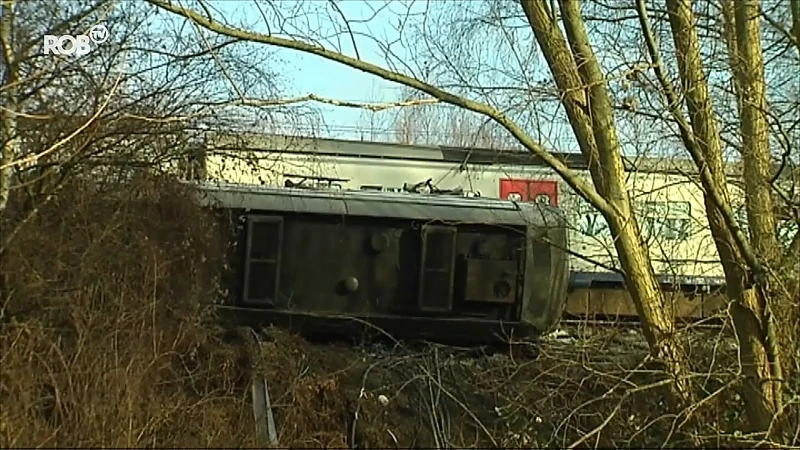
x=540 y=191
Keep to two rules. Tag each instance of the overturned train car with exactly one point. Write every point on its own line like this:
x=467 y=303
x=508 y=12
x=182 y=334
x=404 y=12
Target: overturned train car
x=431 y=267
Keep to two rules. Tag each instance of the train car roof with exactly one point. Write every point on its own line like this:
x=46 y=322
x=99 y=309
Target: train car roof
x=379 y=204
x=264 y=142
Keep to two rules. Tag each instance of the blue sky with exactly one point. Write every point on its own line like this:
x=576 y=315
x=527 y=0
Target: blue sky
x=305 y=74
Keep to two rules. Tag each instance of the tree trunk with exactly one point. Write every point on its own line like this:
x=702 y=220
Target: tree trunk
x=760 y=364
x=754 y=129
x=585 y=97
x=748 y=67
x=8 y=150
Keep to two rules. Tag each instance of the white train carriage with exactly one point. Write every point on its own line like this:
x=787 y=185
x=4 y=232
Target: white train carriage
x=670 y=204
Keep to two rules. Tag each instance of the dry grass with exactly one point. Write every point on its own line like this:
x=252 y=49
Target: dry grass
x=107 y=336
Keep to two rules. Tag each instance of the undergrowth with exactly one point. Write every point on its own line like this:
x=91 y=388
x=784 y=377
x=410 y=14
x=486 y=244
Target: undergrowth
x=107 y=337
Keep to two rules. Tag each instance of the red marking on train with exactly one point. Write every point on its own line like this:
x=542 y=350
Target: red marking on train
x=529 y=190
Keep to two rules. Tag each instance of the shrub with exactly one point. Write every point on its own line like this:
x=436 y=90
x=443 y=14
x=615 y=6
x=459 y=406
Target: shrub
x=107 y=333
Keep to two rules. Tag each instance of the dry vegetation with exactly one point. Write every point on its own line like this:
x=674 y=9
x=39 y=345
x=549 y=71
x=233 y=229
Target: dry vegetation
x=597 y=391
x=109 y=339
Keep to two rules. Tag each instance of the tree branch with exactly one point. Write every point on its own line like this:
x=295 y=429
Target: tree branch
x=65 y=140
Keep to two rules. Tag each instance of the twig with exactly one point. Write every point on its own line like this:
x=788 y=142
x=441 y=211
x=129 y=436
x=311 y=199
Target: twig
x=33 y=158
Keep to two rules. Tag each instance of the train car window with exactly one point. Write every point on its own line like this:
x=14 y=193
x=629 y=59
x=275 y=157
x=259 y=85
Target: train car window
x=649 y=226
x=681 y=208
x=437 y=268
x=676 y=229
x=263 y=259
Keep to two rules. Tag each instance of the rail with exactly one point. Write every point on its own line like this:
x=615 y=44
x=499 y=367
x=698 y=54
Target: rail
x=266 y=433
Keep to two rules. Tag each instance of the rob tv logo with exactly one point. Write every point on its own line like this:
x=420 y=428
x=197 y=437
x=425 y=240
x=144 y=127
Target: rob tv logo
x=75 y=45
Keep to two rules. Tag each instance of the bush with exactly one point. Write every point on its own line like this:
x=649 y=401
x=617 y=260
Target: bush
x=107 y=333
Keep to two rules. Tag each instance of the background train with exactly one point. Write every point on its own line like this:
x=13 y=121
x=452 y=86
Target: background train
x=668 y=200
x=424 y=266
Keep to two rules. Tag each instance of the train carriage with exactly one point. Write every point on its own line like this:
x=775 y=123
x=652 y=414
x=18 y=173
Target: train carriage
x=441 y=267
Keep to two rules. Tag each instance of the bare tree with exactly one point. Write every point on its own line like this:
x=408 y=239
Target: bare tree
x=146 y=97
x=439 y=124
x=577 y=57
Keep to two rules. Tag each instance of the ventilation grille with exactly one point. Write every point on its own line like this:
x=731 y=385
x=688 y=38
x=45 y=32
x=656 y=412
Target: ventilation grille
x=262 y=267
x=437 y=268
